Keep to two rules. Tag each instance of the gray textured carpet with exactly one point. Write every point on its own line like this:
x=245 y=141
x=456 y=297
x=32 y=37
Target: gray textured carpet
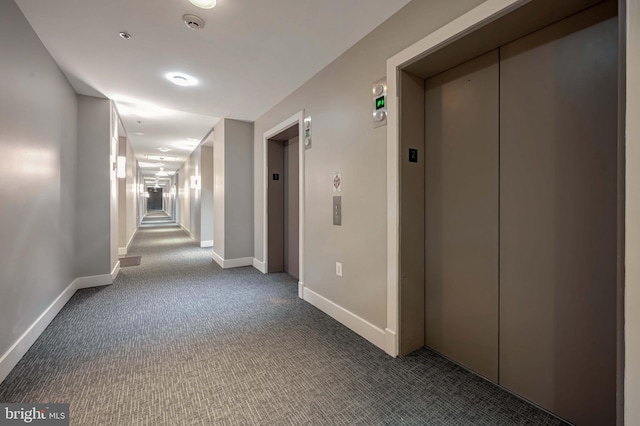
x=178 y=341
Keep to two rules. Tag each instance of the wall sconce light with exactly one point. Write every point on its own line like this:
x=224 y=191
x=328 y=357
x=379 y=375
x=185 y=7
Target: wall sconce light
x=195 y=182
x=121 y=167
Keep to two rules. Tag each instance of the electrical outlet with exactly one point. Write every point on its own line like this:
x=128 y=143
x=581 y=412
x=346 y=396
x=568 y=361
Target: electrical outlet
x=339 y=269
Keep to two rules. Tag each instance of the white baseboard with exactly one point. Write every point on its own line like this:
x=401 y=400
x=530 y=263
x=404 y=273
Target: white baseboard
x=10 y=358
x=238 y=263
x=390 y=343
x=219 y=260
x=300 y=289
x=115 y=272
x=122 y=251
x=185 y=229
x=94 y=281
x=232 y=263
x=208 y=243
x=260 y=266
x=132 y=236
x=361 y=326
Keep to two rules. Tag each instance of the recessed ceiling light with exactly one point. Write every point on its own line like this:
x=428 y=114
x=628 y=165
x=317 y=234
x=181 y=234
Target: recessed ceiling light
x=125 y=35
x=204 y=4
x=181 y=79
x=164 y=149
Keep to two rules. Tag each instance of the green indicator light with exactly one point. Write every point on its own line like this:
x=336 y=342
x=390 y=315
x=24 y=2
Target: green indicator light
x=380 y=102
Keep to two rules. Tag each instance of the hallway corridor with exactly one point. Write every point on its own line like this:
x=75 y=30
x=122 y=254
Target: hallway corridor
x=179 y=341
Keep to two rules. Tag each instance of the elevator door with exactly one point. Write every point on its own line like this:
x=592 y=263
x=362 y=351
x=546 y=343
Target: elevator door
x=521 y=215
x=558 y=132
x=461 y=214
x=283 y=203
x=154 y=202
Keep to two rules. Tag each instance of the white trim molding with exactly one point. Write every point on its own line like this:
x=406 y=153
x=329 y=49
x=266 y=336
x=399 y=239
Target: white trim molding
x=122 y=251
x=185 y=229
x=300 y=289
x=94 y=281
x=10 y=358
x=208 y=243
x=218 y=259
x=259 y=265
x=115 y=272
x=483 y=14
x=390 y=342
x=232 y=263
x=289 y=122
x=359 y=325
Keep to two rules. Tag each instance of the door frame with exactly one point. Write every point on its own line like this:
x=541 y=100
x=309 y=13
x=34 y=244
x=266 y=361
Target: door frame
x=475 y=19
x=284 y=125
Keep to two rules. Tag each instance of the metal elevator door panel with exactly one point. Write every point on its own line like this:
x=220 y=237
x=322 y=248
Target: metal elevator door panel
x=275 y=206
x=558 y=149
x=461 y=214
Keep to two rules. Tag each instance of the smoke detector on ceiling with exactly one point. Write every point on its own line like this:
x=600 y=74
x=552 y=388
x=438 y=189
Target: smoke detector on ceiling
x=192 y=21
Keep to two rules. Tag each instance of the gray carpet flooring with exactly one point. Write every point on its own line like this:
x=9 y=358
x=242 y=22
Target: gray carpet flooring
x=179 y=341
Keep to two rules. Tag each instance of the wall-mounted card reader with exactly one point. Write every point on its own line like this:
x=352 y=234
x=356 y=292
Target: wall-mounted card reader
x=337 y=210
x=380 y=103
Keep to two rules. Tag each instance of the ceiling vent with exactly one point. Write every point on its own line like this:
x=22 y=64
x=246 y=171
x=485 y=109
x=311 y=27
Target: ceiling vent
x=192 y=21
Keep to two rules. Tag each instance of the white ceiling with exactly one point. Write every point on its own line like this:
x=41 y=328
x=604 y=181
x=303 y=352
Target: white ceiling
x=249 y=56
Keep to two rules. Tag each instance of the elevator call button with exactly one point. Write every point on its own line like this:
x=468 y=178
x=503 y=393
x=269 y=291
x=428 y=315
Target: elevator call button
x=380 y=103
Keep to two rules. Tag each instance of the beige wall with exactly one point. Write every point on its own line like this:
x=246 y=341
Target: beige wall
x=339 y=100
x=184 y=196
x=632 y=221
x=114 y=128
x=218 y=189
x=232 y=189
x=127 y=197
x=189 y=198
x=38 y=140
x=122 y=199
x=239 y=189
x=206 y=193
x=93 y=189
x=194 y=193
x=196 y=205
x=131 y=194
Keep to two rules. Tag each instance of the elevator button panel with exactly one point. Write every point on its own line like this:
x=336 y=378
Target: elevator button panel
x=307 y=131
x=380 y=103
x=337 y=210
